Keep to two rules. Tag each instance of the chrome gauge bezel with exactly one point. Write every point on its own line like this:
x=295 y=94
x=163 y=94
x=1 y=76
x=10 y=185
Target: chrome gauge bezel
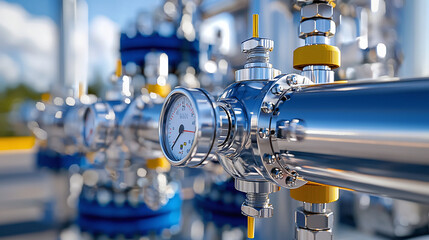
x=104 y=126
x=205 y=126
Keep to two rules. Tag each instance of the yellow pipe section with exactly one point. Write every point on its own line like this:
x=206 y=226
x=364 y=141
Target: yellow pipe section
x=17 y=143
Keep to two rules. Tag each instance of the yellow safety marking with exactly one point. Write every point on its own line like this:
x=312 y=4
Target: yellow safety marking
x=80 y=90
x=160 y=163
x=17 y=143
x=250 y=227
x=315 y=193
x=45 y=97
x=118 y=72
x=319 y=54
x=255 y=26
x=90 y=156
x=162 y=91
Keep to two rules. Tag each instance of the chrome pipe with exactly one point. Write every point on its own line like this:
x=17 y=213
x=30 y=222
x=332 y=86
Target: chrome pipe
x=367 y=136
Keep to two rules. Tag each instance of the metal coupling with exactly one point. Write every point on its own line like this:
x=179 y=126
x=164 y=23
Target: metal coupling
x=258 y=66
x=257 y=203
x=316 y=28
x=314 y=221
x=258 y=51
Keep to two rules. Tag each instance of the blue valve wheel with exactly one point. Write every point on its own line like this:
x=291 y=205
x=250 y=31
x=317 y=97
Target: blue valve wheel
x=127 y=220
x=135 y=49
x=46 y=158
x=222 y=205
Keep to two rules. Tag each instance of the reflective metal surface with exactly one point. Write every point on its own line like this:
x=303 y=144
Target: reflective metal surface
x=253 y=43
x=257 y=203
x=240 y=155
x=257 y=65
x=318 y=74
x=317 y=27
x=317 y=10
x=139 y=127
x=256 y=74
x=371 y=137
x=314 y=207
x=314 y=221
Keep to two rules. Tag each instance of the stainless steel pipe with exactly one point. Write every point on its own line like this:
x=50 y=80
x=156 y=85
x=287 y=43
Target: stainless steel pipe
x=367 y=136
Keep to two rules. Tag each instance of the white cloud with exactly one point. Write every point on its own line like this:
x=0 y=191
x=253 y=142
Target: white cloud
x=9 y=69
x=103 y=47
x=29 y=47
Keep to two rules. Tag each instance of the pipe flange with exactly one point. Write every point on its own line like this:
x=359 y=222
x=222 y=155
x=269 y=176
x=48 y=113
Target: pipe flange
x=256 y=73
x=278 y=173
x=255 y=186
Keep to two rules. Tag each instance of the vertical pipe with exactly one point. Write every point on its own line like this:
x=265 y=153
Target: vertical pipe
x=73 y=50
x=413 y=35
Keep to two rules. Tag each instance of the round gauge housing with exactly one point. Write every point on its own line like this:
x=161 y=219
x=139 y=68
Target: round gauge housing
x=99 y=126
x=140 y=124
x=187 y=127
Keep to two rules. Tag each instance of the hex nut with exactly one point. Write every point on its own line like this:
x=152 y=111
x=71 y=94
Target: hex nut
x=314 y=221
x=277 y=173
x=317 y=27
x=321 y=10
x=269 y=159
x=307 y=234
x=257 y=212
x=253 y=43
x=264 y=133
x=267 y=107
x=277 y=89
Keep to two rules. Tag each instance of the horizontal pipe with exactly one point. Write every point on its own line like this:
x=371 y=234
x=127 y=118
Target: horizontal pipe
x=366 y=136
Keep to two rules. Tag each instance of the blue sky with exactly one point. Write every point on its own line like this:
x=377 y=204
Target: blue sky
x=119 y=11
x=29 y=37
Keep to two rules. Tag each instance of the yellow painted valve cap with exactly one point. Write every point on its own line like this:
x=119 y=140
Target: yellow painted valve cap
x=160 y=163
x=315 y=193
x=162 y=91
x=320 y=54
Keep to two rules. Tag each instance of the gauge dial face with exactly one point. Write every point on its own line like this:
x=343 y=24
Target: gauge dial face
x=180 y=128
x=89 y=126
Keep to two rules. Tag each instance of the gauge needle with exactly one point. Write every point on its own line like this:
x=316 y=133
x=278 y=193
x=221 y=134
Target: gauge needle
x=188 y=131
x=181 y=130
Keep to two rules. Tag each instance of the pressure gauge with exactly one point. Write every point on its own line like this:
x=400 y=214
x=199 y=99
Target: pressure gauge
x=99 y=125
x=187 y=127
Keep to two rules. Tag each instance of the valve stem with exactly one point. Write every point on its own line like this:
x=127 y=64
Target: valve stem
x=258 y=66
x=255 y=26
x=250 y=227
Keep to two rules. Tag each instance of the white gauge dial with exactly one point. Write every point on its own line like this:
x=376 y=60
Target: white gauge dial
x=181 y=127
